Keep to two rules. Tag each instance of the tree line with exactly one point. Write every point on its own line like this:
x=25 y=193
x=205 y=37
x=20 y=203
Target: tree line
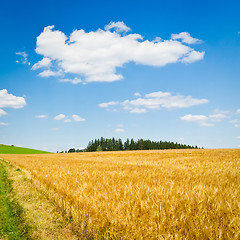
x=112 y=144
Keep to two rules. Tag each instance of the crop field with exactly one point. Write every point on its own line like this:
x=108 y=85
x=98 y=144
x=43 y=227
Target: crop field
x=168 y=194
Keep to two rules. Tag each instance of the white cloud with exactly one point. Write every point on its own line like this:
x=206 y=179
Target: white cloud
x=186 y=38
x=49 y=73
x=138 y=110
x=24 y=59
x=155 y=100
x=181 y=138
x=73 y=81
x=159 y=94
x=206 y=124
x=3 y=124
x=218 y=117
x=41 y=116
x=55 y=129
x=23 y=54
x=164 y=100
x=76 y=118
x=119 y=130
x=119 y=26
x=137 y=94
x=206 y=121
x=68 y=120
x=193 y=57
x=194 y=118
x=2 y=113
x=45 y=62
x=59 y=117
x=202 y=120
x=95 y=56
x=9 y=100
x=108 y=104
x=238 y=137
x=235 y=121
x=157 y=39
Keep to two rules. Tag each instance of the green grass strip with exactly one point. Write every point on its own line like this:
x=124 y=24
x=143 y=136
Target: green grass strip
x=12 y=224
x=6 y=149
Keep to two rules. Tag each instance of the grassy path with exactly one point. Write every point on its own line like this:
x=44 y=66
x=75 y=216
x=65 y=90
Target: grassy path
x=11 y=222
x=28 y=210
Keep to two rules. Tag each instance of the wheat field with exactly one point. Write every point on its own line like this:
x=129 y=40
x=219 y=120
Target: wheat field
x=167 y=194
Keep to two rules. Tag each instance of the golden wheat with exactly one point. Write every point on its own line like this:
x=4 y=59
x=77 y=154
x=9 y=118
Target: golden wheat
x=42 y=221
x=170 y=194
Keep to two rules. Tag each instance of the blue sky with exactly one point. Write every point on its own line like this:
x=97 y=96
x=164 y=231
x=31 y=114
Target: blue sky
x=73 y=71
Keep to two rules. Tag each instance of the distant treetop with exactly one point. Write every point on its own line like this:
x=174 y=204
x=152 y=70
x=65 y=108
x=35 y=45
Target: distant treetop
x=112 y=144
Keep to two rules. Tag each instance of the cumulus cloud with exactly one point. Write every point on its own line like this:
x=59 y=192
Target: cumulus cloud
x=138 y=110
x=3 y=124
x=118 y=26
x=49 y=73
x=186 y=38
x=193 y=57
x=67 y=120
x=41 y=116
x=2 y=113
x=200 y=119
x=119 y=130
x=194 y=118
x=77 y=118
x=155 y=100
x=238 y=111
x=45 y=62
x=11 y=101
x=206 y=121
x=137 y=94
x=24 y=59
x=218 y=117
x=73 y=81
x=60 y=117
x=95 y=56
x=108 y=104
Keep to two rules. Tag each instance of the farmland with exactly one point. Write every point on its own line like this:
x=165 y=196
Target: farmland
x=168 y=194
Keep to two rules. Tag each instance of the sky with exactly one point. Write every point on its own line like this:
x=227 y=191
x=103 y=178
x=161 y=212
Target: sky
x=72 y=71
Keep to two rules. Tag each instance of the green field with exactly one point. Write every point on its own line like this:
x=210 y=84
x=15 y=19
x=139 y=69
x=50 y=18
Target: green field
x=6 y=149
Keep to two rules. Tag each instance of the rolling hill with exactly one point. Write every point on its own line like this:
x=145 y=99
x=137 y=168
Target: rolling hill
x=7 y=149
